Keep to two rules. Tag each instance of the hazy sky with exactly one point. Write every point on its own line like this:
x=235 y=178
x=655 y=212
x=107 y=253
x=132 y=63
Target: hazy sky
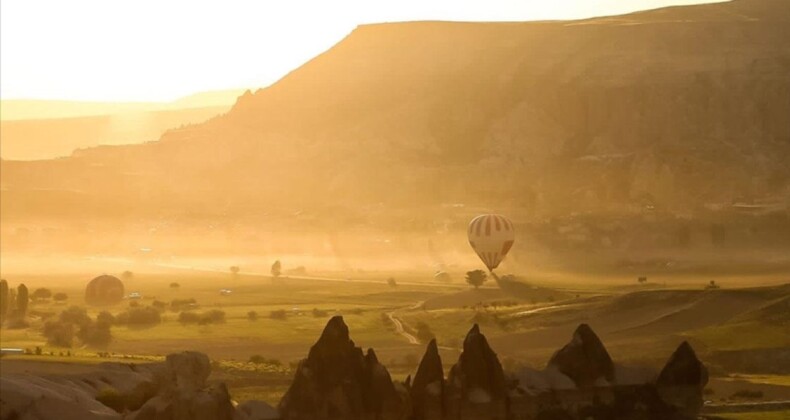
x=164 y=49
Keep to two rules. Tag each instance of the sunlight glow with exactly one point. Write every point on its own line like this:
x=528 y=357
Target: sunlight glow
x=153 y=50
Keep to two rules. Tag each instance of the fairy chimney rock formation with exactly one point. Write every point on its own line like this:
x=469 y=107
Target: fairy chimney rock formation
x=427 y=388
x=682 y=380
x=476 y=387
x=584 y=359
x=336 y=381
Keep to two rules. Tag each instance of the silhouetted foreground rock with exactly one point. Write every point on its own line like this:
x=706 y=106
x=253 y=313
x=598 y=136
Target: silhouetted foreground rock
x=585 y=359
x=682 y=379
x=183 y=394
x=476 y=383
x=336 y=381
x=427 y=389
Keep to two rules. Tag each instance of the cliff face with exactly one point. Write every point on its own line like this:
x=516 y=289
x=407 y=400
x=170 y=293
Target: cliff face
x=677 y=107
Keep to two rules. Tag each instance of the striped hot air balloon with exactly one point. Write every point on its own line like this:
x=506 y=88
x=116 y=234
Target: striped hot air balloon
x=491 y=236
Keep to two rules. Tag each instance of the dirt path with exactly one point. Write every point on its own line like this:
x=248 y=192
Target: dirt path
x=399 y=329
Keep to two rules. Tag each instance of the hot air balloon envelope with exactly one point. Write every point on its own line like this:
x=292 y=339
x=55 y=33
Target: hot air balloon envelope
x=491 y=236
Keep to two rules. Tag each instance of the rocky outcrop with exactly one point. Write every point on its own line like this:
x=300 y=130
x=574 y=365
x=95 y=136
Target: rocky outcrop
x=184 y=394
x=36 y=398
x=256 y=410
x=585 y=359
x=683 y=368
x=427 y=388
x=682 y=380
x=336 y=381
x=476 y=387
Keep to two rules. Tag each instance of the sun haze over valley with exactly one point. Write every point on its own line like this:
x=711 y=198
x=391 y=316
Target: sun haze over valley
x=411 y=210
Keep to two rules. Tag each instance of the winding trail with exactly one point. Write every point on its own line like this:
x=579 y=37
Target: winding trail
x=399 y=329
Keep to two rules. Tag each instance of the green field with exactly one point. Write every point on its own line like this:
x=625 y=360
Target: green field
x=638 y=325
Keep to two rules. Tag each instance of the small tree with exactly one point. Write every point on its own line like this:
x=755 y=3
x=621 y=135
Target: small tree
x=234 y=270
x=59 y=333
x=476 y=278
x=642 y=280
x=252 y=316
x=279 y=314
x=60 y=297
x=22 y=299
x=41 y=294
x=127 y=275
x=174 y=285
x=391 y=282
x=276 y=269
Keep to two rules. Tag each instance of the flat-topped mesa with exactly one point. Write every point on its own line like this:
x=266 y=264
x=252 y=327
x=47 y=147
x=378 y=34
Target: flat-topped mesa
x=337 y=381
x=682 y=380
x=584 y=359
x=476 y=386
x=427 y=388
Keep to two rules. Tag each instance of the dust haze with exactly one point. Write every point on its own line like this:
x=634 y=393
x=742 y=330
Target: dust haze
x=239 y=240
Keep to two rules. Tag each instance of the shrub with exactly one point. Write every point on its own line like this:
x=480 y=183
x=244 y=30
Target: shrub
x=159 y=305
x=139 y=317
x=214 y=316
x=96 y=334
x=75 y=315
x=59 y=333
x=278 y=314
x=260 y=360
x=391 y=282
x=105 y=317
x=134 y=304
x=252 y=315
x=41 y=294
x=60 y=297
x=174 y=285
x=319 y=313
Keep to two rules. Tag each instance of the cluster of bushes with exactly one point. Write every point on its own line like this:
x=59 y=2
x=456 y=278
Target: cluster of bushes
x=214 y=316
x=75 y=322
x=260 y=360
x=139 y=316
x=279 y=314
